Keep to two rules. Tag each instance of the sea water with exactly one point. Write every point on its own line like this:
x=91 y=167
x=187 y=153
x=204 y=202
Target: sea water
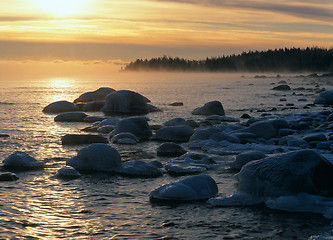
x=105 y=206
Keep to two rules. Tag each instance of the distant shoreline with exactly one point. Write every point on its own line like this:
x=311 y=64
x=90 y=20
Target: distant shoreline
x=278 y=60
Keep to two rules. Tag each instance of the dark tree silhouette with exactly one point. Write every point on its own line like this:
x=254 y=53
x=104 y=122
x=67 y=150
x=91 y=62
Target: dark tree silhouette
x=293 y=59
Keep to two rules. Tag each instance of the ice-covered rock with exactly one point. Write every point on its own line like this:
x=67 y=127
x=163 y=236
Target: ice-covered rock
x=210 y=108
x=135 y=125
x=138 y=168
x=174 y=134
x=287 y=174
x=244 y=158
x=8 y=176
x=238 y=199
x=71 y=117
x=194 y=188
x=125 y=102
x=75 y=139
x=325 y=97
x=22 y=161
x=174 y=122
x=96 y=158
x=182 y=170
x=98 y=94
x=67 y=173
x=60 y=107
x=125 y=138
x=170 y=149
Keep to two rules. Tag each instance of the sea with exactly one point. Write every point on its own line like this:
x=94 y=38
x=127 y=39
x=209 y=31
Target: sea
x=108 y=206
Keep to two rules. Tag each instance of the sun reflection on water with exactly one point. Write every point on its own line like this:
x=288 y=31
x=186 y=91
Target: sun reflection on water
x=62 y=88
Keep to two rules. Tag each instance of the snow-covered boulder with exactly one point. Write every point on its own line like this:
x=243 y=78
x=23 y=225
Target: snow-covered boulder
x=96 y=158
x=98 y=94
x=325 y=97
x=125 y=102
x=67 y=173
x=287 y=174
x=22 y=161
x=75 y=139
x=174 y=134
x=244 y=158
x=210 y=108
x=60 y=107
x=138 y=168
x=170 y=149
x=194 y=188
x=125 y=138
x=70 y=117
x=135 y=125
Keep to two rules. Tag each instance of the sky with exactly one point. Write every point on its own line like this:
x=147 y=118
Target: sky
x=119 y=31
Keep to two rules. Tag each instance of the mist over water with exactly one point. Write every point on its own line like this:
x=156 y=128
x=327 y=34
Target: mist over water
x=95 y=206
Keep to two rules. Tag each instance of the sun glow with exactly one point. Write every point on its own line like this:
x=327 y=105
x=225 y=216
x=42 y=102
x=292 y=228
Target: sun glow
x=62 y=8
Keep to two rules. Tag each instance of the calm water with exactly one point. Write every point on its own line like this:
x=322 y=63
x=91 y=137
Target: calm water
x=104 y=206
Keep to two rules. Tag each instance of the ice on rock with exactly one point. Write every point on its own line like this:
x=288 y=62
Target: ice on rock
x=195 y=188
x=138 y=168
x=239 y=199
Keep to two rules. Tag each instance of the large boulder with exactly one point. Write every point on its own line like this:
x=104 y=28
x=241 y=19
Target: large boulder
x=96 y=95
x=60 y=107
x=135 y=125
x=125 y=102
x=325 y=97
x=245 y=157
x=210 y=108
x=262 y=129
x=96 y=158
x=75 y=139
x=94 y=106
x=195 y=188
x=70 y=117
x=174 y=134
x=170 y=149
x=287 y=174
x=22 y=161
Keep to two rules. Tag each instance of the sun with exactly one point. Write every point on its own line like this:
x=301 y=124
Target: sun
x=62 y=8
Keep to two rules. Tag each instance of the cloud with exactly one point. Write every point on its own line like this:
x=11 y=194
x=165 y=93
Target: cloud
x=320 y=10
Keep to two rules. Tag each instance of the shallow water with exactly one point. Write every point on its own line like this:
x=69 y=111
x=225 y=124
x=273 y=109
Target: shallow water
x=102 y=206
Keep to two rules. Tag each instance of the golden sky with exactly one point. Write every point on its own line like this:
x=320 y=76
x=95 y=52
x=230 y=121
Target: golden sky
x=123 y=30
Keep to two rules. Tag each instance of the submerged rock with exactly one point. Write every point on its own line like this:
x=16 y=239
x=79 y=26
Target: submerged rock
x=96 y=158
x=60 y=107
x=135 y=125
x=283 y=87
x=195 y=188
x=74 y=139
x=138 y=168
x=125 y=102
x=8 y=176
x=67 y=173
x=210 y=108
x=98 y=94
x=21 y=161
x=287 y=174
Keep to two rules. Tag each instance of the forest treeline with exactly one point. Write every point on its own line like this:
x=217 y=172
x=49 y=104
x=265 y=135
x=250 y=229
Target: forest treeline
x=287 y=59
